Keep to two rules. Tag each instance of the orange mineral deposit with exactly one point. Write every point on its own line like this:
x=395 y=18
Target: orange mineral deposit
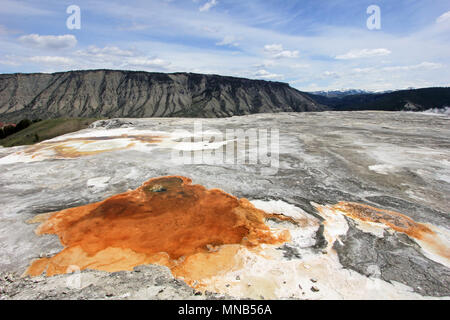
x=167 y=221
x=425 y=234
x=395 y=220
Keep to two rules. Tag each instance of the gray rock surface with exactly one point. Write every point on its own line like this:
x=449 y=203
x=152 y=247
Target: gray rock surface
x=144 y=283
x=395 y=161
x=395 y=257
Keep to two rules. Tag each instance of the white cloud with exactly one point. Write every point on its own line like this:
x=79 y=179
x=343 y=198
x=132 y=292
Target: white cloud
x=210 y=29
x=301 y=65
x=21 y=8
x=273 y=47
x=262 y=42
x=444 y=17
x=362 y=70
x=364 y=53
x=147 y=62
x=208 y=5
x=108 y=57
x=50 y=60
x=107 y=51
x=265 y=64
x=286 y=54
x=10 y=61
x=277 y=51
x=423 y=65
x=112 y=56
x=49 y=42
x=264 y=74
x=330 y=74
x=228 y=41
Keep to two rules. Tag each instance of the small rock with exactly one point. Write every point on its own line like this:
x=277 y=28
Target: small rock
x=238 y=278
x=37 y=279
x=212 y=248
x=314 y=289
x=198 y=293
x=9 y=278
x=300 y=287
x=307 y=266
x=313 y=280
x=157 y=188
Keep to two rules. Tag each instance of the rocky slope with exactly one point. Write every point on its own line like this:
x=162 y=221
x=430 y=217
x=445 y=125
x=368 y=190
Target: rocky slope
x=107 y=93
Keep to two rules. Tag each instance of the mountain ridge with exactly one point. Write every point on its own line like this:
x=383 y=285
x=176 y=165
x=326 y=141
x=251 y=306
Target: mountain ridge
x=116 y=93
x=341 y=93
x=401 y=100
x=138 y=94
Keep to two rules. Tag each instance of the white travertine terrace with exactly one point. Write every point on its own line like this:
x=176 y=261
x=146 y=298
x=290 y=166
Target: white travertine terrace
x=267 y=275
x=87 y=142
x=324 y=159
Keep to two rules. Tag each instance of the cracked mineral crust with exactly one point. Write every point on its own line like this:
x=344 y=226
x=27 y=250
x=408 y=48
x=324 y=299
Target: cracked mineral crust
x=355 y=206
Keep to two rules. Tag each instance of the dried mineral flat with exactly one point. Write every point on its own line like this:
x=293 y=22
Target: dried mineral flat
x=356 y=209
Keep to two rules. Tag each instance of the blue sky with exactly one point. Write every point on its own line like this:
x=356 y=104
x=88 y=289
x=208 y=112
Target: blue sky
x=310 y=44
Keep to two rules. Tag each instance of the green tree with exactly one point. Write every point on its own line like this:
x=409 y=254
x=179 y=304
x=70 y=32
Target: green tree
x=25 y=123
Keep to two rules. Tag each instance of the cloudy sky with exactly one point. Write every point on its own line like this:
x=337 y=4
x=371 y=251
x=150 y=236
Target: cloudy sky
x=311 y=44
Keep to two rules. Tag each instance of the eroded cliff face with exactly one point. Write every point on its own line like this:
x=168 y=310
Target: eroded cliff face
x=110 y=93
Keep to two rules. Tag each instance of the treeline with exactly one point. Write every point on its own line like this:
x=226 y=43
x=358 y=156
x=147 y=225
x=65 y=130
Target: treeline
x=423 y=99
x=10 y=129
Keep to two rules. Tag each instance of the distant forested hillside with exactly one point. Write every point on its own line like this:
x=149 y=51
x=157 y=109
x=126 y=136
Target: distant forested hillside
x=413 y=100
